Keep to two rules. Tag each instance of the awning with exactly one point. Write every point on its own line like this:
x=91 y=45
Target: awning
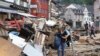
x=16 y=12
x=26 y=14
x=8 y=10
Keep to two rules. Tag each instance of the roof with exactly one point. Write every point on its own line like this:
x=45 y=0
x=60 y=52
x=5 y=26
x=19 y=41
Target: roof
x=79 y=9
x=71 y=6
x=90 y=8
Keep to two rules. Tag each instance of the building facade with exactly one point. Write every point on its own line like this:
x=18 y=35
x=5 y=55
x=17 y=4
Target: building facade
x=97 y=13
x=39 y=8
x=10 y=8
x=54 y=10
x=75 y=14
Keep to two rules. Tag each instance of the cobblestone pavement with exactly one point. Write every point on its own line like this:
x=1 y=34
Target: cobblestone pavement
x=8 y=49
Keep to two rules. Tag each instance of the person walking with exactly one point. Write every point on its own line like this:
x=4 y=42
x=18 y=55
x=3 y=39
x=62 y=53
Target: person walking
x=60 y=41
x=57 y=41
x=86 y=27
x=92 y=30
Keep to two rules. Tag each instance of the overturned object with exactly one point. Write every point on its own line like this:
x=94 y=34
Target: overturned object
x=16 y=40
x=50 y=23
x=29 y=50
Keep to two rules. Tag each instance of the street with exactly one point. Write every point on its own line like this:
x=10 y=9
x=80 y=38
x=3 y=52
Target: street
x=47 y=27
x=82 y=47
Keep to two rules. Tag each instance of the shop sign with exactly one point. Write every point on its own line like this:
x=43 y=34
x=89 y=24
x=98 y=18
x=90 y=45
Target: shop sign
x=19 y=7
x=33 y=6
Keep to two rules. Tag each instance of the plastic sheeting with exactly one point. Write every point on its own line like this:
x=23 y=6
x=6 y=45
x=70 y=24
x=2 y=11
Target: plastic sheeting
x=28 y=48
x=31 y=51
x=16 y=40
x=50 y=23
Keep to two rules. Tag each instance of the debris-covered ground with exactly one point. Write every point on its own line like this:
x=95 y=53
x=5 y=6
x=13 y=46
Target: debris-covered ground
x=83 y=47
x=8 y=49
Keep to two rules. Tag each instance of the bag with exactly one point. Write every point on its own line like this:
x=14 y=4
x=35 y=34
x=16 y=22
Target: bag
x=57 y=42
x=69 y=35
x=68 y=32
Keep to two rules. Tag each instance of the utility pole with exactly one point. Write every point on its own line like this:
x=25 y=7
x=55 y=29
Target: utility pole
x=29 y=4
x=49 y=9
x=38 y=8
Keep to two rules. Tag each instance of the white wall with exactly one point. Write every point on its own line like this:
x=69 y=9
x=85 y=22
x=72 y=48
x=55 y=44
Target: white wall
x=96 y=8
x=72 y=16
x=69 y=15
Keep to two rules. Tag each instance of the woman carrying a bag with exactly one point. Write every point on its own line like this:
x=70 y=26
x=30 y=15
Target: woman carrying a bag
x=60 y=41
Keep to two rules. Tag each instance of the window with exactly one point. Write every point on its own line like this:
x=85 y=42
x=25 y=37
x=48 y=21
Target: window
x=97 y=23
x=21 y=3
x=25 y=4
x=42 y=11
x=3 y=15
x=39 y=10
x=97 y=17
x=41 y=1
x=70 y=22
x=17 y=2
x=44 y=1
x=34 y=11
x=78 y=24
x=15 y=16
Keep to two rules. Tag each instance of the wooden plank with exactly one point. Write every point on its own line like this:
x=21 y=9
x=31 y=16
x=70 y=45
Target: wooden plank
x=8 y=49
